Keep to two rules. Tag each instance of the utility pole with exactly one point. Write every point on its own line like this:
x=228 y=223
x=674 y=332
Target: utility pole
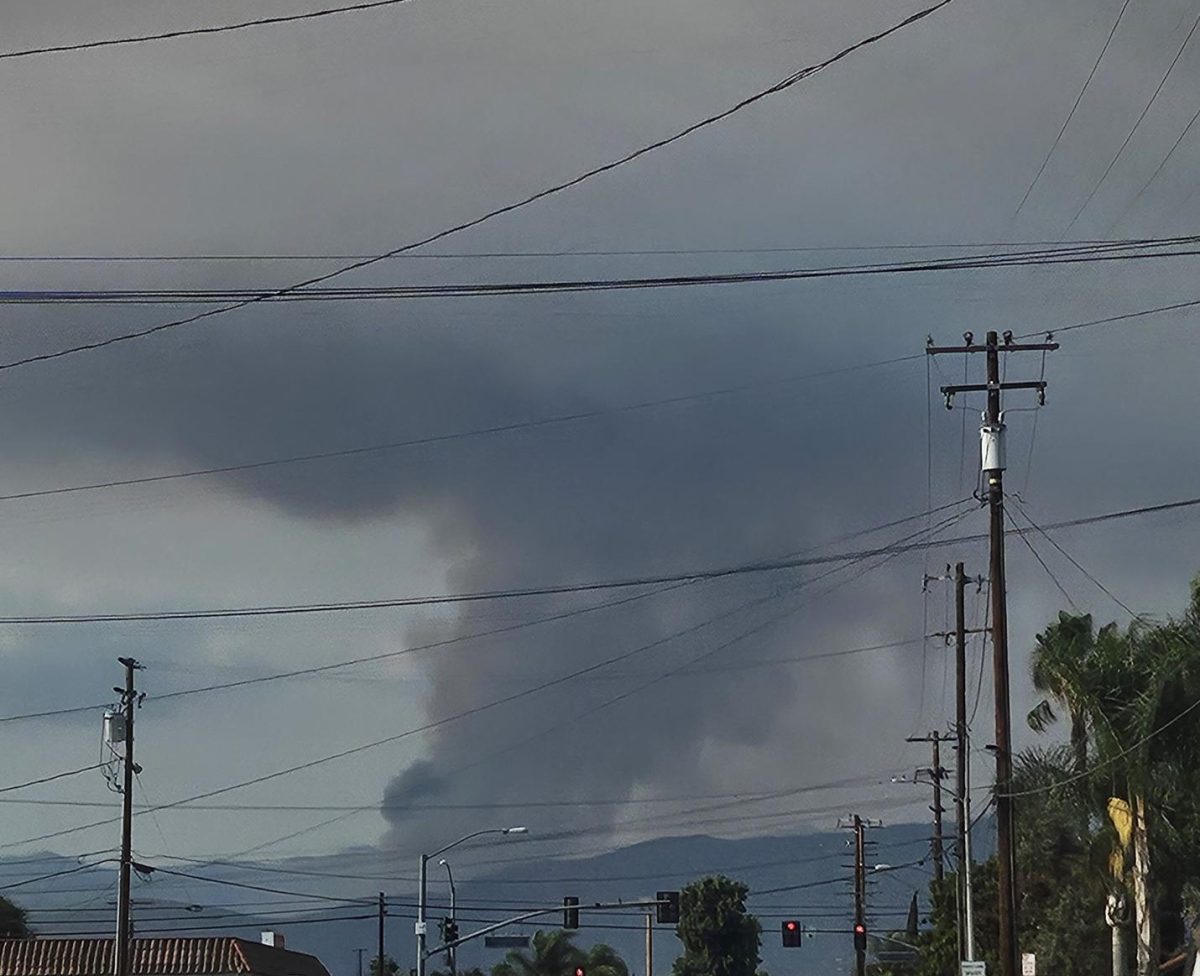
x=649 y=944
x=859 y=826
x=991 y=436
x=937 y=773
x=860 y=890
x=124 y=942
x=382 y=915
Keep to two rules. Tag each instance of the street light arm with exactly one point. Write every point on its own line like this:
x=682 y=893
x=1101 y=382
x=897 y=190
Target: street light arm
x=473 y=835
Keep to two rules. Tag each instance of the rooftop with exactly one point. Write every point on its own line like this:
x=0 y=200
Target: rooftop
x=217 y=956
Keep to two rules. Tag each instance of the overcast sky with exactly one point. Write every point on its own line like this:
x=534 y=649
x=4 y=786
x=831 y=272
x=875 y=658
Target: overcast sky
x=362 y=132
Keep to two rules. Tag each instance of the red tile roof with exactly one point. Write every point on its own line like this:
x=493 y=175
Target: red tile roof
x=154 y=957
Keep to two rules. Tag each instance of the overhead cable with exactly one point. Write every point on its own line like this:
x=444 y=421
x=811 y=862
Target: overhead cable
x=767 y=566
x=195 y=31
x=782 y=85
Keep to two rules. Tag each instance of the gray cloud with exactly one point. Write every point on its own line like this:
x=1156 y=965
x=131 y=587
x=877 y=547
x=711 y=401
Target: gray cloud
x=260 y=145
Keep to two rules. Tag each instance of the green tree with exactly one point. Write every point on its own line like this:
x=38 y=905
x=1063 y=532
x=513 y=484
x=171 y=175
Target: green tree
x=1122 y=691
x=13 y=922
x=720 y=938
x=390 y=966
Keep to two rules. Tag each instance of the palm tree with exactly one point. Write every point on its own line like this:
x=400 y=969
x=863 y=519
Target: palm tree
x=555 y=954
x=1059 y=666
x=551 y=954
x=1131 y=699
x=603 y=960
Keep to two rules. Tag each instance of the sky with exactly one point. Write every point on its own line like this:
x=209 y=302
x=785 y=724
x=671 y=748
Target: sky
x=359 y=133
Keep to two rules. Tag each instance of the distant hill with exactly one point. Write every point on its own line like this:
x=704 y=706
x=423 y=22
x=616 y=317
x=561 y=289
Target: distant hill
x=814 y=865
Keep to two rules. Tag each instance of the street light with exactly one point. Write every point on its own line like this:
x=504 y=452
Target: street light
x=451 y=954
x=421 y=925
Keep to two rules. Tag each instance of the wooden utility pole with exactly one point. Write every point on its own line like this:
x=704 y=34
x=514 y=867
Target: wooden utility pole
x=124 y=941
x=936 y=774
x=991 y=436
x=382 y=915
x=859 y=826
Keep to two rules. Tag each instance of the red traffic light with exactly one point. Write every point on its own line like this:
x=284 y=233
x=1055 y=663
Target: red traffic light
x=791 y=926
x=791 y=933
x=860 y=937
x=579 y=971
x=860 y=929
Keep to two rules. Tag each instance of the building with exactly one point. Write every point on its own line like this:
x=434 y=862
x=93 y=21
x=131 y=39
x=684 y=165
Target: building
x=217 y=956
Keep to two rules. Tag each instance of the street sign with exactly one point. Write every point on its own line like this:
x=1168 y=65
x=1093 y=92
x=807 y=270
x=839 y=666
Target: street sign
x=421 y=928
x=975 y=968
x=1028 y=964
x=506 y=941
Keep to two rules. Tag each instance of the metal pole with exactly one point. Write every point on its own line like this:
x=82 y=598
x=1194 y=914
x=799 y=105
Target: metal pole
x=124 y=932
x=1005 y=826
x=938 y=860
x=649 y=944
x=860 y=888
x=962 y=800
x=359 y=953
x=452 y=952
x=968 y=864
x=420 y=926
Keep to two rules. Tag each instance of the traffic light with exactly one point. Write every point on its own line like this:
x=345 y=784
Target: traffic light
x=580 y=971
x=571 y=914
x=860 y=937
x=791 y=933
x=449 y=930
x=666 y=912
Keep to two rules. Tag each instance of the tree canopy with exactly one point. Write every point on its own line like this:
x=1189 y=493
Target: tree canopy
x=720 y=938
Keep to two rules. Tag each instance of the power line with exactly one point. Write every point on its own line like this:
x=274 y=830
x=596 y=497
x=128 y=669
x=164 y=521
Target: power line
x=575 y=417
x=1153 y=176
x=558 y=589
x=429 y=726
x=1124 y=317
x=1074 y=108
x=1083 y=774
x=56 y=874
x=580 y=253
x=430 y=439
x=927 y=531
x=567 y=588
x=1072 y=560
x=196 y=31
x=444 y=642
x=51 y=778
x=1024 y=536
x=1179 y=247
x=1145 y=111
x=780 y=86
